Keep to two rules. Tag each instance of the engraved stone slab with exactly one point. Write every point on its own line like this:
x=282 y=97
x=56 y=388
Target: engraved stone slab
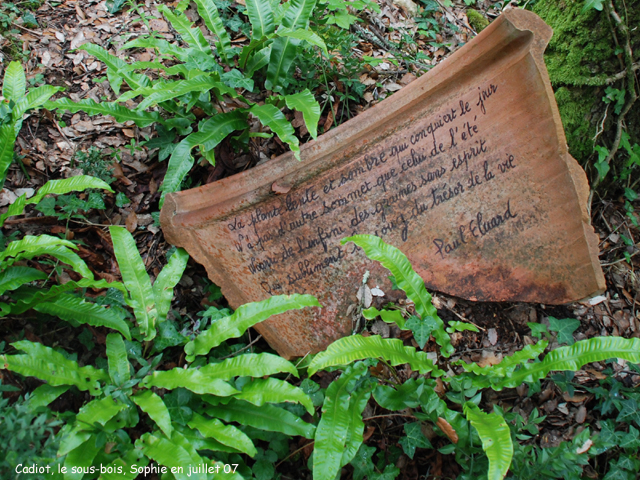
x=466 y=170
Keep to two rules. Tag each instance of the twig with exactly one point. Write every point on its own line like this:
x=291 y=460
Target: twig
x=462 y=318
x=293 y=453
x=249 y=345
x=389 y=415
x=621 y=260
x=456 y=19
x=601 y=126
x=299 y=362
x=622 y=74
x=71 y=144
x=27 y=29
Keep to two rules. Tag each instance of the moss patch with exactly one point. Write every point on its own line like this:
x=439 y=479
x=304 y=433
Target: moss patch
x=477 y=20
x=582 y=50
x=580 y=56
x=575 y=109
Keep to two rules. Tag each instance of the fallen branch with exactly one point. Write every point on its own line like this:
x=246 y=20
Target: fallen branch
x=622 y=74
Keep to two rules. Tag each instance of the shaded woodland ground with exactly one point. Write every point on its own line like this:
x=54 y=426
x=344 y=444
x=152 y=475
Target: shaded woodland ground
x=369 y=60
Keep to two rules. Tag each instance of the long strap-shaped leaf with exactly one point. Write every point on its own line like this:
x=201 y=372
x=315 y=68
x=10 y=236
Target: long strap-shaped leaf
x=36 y=98
x=355 y=436
x=52 y=293
x=7 y=142
x=202 y=83
x=192 y=379
x=267 y=417
x=306 y=103
x=209 y=13
x=66 y=185
x=298 y=13
x=45 y=394
x=120 y=113
x=13 y=277
x=211 y=133
x=167 y=280
x=258 y=60
x=136 y=279
x=244 y=317
x=14 y=85
x=332 y=431
x=249 y=365
x=394 y=260
x=72 y=184
x=71 y=308
x=98 y=411
x=226 y=434
x=51 y=366
x=508 y=364
x=167 y=452
x=115 y=67
x=162 y=45
x=496 y=439
x=273 y=118
x=218 y=467
x=261 y=18
x=306 y=35
x=190 y=34
x=356 y=347
x=32 y=246
x=200 y=442
x=272 y=390
x=152 y=405
x=283 y=52
x=80 y=460
x=119 y=369
x=573 y=358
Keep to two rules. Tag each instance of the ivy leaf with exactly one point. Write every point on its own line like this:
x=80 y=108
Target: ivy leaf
x=121 y=201
x=421 y=328
x=235 y=79
x=629 y=412
x=564 y=329
x=537 y=329
x=414 y=439
x=263 y=469
x=630 y=440
x=391 y=472
x=362 y=462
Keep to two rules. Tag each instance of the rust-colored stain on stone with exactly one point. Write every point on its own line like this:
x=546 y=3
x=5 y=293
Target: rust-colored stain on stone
x=466 y=170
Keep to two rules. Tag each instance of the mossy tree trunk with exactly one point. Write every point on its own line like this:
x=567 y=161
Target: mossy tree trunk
x=586 y=61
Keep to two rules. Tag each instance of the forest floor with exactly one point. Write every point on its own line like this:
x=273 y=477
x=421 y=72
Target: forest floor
x=49 y=147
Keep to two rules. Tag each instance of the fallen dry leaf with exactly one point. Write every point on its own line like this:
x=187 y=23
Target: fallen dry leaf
x=280 y=187
x=131 y=222
x=447 y=429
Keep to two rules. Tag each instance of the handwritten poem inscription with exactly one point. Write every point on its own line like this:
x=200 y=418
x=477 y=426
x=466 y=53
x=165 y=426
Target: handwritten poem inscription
x=389 y=192
x=470 y=178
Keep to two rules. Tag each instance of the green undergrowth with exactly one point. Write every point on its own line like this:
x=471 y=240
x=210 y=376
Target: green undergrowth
x=161 y=390
x=581 y=56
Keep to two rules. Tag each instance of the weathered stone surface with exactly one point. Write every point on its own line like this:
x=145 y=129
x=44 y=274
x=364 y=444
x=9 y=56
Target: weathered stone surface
x=466 y=170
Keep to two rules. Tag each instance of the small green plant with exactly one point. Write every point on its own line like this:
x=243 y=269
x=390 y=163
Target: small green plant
x=14 y=105
x=205 y=397
x=339 y=432
x=27 y=437
x=266 y=60
x=27 y=287
x=93 y=163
